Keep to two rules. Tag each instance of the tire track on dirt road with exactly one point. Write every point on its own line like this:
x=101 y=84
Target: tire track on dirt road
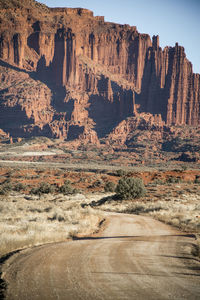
x=135 y=257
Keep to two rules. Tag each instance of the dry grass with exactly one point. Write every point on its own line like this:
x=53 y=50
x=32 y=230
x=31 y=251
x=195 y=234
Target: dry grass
x=27 y=220
x=32 y=220
x=182 y=212
x=198 y=247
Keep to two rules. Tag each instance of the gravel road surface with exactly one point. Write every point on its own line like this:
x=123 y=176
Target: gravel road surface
x=134 y=257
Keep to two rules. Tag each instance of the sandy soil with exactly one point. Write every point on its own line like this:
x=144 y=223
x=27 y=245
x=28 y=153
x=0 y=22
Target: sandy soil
x=134 y=257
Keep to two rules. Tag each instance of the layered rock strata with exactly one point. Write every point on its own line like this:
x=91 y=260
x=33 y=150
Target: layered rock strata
x=68 y=74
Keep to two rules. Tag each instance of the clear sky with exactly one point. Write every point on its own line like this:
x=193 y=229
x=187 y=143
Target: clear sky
x=173 y=20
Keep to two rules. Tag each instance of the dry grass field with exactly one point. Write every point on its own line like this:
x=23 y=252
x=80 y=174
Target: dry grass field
x=182 y=212
x=29 y=220
x=174 y=204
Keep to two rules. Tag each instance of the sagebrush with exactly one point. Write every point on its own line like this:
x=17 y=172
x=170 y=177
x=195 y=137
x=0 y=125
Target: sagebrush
x=130 y=188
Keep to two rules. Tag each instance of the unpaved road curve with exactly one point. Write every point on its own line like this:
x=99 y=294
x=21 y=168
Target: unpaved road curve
x=135 y=257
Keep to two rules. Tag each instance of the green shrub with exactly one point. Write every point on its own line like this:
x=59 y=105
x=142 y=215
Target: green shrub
x=109 y=186
x=5 y=188
x=44 y=188
x=197 y=179
x=172 y=179
x=8 y=186
x=130 y=188
x=19 y=187
x=3 y=191
x=121 y=173
x=158 y=181
x=97 y=183
x=67 y=188
x=184 y=167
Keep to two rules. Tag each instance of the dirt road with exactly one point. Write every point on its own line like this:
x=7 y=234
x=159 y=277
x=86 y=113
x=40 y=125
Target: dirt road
x=135 y=257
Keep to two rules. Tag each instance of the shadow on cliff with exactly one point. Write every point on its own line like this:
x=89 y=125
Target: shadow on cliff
x=43 y=74
x=9 y=66
x=100 y=109
x=111 y=105
x=47 y=75
x=32 y=74
x=154 y=97
x=103 y=113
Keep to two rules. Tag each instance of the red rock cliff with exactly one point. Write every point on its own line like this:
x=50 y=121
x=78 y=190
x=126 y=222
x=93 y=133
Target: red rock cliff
x=96 y=73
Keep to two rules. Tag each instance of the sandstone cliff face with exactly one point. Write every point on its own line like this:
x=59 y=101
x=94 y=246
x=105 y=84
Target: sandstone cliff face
x=24 y=102
x=87 y=75
x=170 y=87
x=123 y=133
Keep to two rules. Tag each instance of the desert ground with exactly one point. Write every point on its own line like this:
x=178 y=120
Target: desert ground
x=134 y=257
x=99 y=156
x=61 y=223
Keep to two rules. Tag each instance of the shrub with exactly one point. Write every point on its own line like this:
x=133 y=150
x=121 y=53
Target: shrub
x=172 y=179
x=121 y=173
x=5 y=188
x=184 y=167
x=158 y=181
x=67 y=189
x=3 y=191
x=97 y=183
x=109 y=186
x=19 y=187
x=44 y=188
x=130 y=188
x=197 y=179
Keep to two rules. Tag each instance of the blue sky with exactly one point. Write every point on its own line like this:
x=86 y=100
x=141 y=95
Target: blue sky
x=173 y=20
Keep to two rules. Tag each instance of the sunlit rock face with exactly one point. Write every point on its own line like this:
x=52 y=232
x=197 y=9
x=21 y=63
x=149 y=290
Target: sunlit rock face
x=67 y=74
